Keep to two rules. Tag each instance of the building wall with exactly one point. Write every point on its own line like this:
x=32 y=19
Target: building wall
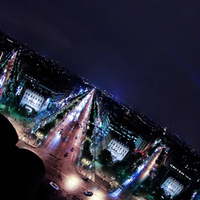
x=32 y=99
x=172 y=187
x=140 y=143
x=118 y=150
x=106 y=140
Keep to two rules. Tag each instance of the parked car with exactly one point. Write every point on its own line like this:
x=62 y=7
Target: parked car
x=54 y=185
x=122 y=187
x=72 y=149
x=65 y=139
x=60 y=132
x=88 y=193
x=85 y=178
x=66 y=154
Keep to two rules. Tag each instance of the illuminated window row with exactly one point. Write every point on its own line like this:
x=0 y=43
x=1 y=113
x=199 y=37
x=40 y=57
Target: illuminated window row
x=32 y=99
x=118 y=150
x=179 y=171
x=172 y=187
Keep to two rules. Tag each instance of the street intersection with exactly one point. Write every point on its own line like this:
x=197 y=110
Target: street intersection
x=62 y=169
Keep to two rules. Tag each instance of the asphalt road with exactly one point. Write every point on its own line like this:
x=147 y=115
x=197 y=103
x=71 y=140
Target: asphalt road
x=69 y=133
x=63 y=170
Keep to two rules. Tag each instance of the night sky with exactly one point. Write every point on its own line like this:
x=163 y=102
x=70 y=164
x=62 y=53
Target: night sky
x=146 y=53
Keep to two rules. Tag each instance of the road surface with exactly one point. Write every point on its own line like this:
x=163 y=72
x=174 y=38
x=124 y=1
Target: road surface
x=124 y=191
x=68 y=134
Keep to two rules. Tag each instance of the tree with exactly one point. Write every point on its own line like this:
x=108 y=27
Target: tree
x=149 y=197
x=48 y=127
x=90 y=131
x=86 y=145
x=22 y=111
x=105 y=157
x=147 y=182
x=159 y=192
x=130 y=158
x=86 y=150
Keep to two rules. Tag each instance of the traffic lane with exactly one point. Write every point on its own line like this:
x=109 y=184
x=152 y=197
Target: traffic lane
x=63 y=145
x=67 y=177
x=53 y=137
x=52 y=142
x=78 y=192
x=70 y=129
x=74 y=141
x=76 y=136
x=58 y=144
x=56 y=136
x=74 y=184
x=68 y=120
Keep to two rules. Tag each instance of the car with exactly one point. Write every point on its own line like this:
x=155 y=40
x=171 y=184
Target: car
x=85 y=178
x=54 y=185
x=60 y=132
x=76 y=137
x=122 y=187
x=88 y=193
x=65 y=139
x=72 y=149
x=66 y=154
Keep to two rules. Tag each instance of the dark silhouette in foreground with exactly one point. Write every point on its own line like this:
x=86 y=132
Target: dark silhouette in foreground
x=22 y=170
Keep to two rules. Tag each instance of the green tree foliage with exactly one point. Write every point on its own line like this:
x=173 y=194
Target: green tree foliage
x=185 y=194
x=149 y=197
x=161 y=157
x=86 y=145
x=105 y=157
x=14 y=103
x=48 y=127
x=60 y=116
x=86 y=150
x=22 y=111
x=158 y=193
x=124 y=168
x=130 y=158
x=147 y=182
x=90 y=131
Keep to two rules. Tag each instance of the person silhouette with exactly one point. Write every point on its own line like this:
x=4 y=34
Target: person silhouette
x=22 y=170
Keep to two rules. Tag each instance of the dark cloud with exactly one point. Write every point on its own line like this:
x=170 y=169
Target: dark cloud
x=144 y=52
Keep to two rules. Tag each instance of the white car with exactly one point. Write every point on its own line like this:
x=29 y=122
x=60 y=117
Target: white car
x=60 y=132
x=88 y=193
x=54 y=185
x=66 y=138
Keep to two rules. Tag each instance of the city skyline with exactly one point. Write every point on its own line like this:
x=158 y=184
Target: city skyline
x=144 y=53
x=79 y=130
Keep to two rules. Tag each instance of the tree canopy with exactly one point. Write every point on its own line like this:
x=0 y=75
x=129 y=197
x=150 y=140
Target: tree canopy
x=105 y=157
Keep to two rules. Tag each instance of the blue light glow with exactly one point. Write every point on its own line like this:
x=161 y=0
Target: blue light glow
x=128 y=181
x=141 y=173
x=56 y=139
x=116 y=193
x=140 y=168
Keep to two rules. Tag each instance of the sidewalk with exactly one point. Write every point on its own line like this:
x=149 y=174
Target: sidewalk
x=22 y=131
x=95 y=179
x=104 y=180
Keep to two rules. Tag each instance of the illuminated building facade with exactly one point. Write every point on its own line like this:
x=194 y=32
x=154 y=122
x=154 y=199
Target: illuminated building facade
x=196 y=195
x=117 y=149
x=172 y=187
x=32 y=100
x=7 y=67
x=141 y=143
